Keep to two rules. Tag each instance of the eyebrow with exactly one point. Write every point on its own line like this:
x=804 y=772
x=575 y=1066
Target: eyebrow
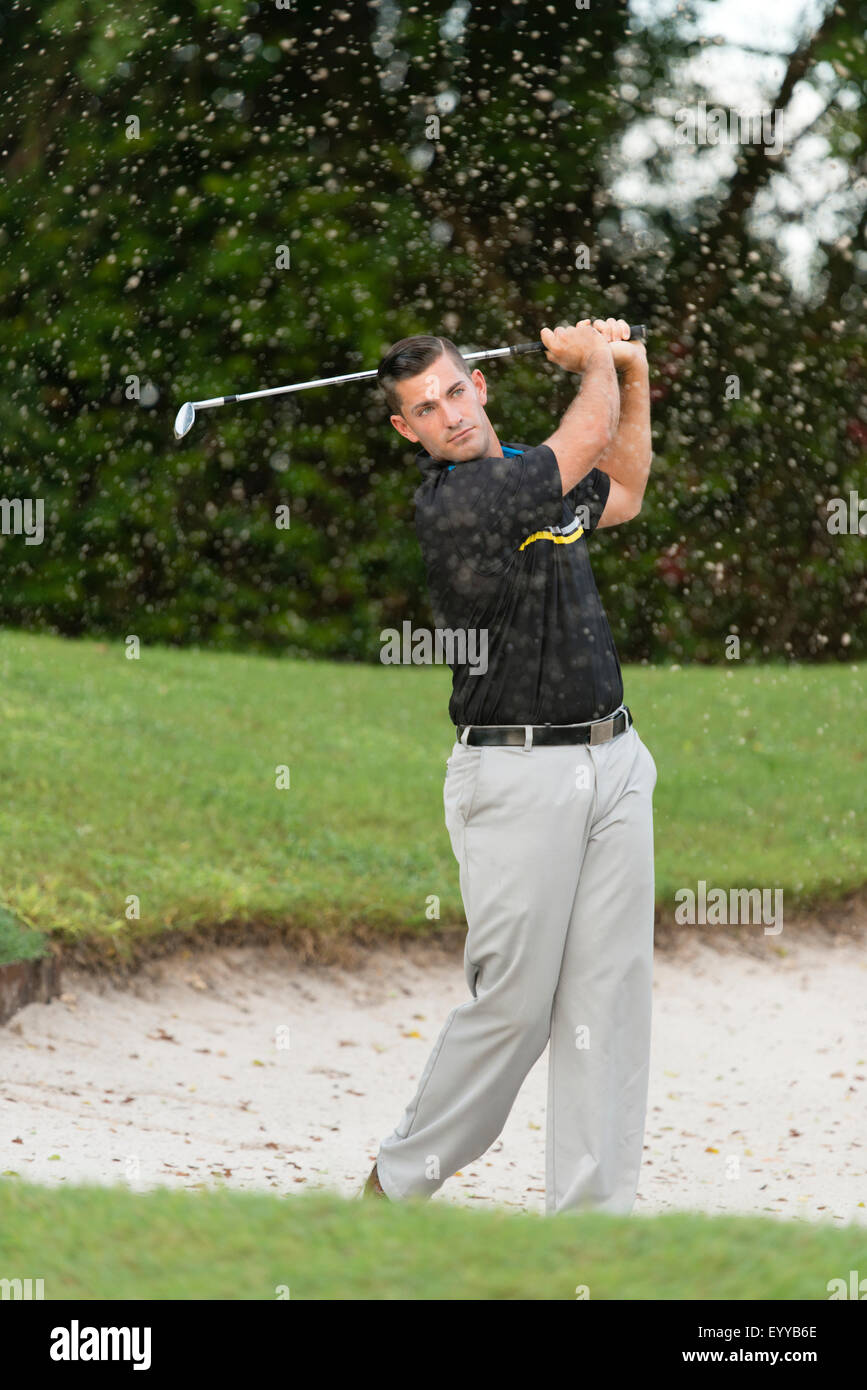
x=460 y=381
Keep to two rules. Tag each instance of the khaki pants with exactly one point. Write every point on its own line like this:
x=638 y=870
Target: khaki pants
x=555 y=848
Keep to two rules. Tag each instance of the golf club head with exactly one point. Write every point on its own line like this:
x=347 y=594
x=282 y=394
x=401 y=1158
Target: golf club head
x=184 y=420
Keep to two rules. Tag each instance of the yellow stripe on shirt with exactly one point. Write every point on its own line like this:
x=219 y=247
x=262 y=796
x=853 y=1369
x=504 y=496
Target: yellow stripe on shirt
x=549 y=536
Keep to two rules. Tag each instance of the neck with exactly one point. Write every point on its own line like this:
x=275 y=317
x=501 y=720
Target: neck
x=493 y=448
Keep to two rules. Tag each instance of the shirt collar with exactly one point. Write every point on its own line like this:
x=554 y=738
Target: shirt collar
x=431 y=467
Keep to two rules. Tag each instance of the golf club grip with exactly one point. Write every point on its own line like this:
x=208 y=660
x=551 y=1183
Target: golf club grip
x=637 y=334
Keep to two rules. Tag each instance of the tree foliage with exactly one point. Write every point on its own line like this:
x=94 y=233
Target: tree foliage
x=421 y=168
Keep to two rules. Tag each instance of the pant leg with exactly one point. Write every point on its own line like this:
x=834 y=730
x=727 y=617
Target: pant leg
x=518 y=821
x=597 y=1081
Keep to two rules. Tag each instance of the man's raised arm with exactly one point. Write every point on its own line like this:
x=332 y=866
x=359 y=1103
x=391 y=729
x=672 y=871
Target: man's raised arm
x=627 y=461
x=590 y=424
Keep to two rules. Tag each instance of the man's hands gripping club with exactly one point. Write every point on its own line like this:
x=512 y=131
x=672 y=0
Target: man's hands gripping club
x=572 y=347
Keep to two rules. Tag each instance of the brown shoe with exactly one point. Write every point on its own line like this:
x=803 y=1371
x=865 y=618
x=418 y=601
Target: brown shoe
x=373 y=1187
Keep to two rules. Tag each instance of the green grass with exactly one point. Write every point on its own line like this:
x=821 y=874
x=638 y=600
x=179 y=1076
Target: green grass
x=17 y=941
x=156 y=778
x=98 y=1243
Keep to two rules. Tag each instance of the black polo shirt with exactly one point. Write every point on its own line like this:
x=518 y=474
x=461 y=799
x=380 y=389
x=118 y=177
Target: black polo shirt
x=506 y=552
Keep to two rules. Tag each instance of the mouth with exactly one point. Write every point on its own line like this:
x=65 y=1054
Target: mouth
x=463 y=434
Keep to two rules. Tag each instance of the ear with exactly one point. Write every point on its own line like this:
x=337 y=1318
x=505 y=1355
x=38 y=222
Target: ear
x=403 y=428
x=480 y=384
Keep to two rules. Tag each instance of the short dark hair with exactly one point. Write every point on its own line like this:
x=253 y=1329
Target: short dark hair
x=409 y=357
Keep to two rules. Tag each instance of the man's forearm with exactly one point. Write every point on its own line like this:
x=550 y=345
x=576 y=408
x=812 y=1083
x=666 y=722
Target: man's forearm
x=627 y=458
x=589 y=426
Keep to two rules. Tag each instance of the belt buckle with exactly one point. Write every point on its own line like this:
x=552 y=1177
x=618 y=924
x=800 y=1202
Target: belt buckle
x=602 y=731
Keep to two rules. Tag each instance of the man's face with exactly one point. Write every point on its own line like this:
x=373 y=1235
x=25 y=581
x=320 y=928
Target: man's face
x=443 y=410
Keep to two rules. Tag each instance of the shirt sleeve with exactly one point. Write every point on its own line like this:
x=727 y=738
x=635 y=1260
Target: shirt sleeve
x=490 y=506
x=587 y=498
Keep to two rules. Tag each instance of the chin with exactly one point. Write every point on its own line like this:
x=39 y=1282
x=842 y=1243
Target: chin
x=461 y=448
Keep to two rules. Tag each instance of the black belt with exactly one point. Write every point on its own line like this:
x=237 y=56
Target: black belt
x=529 y=735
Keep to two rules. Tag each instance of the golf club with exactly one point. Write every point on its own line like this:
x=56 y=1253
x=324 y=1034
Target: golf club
x=187 y=413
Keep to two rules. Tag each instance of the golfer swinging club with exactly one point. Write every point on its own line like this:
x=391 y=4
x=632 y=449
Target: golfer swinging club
x=548 y=790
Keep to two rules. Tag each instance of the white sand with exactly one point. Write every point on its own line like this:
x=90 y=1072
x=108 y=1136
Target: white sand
x=757 y=1091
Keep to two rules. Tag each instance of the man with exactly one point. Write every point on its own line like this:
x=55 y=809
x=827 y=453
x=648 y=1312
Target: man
x=548 y=790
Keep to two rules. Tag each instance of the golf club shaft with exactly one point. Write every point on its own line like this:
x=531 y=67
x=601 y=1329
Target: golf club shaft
x=637 y=332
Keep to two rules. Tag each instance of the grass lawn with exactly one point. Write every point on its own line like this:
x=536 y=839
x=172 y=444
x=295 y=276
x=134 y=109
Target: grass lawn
x=17 y=941
x=98 y=1243
x=156 y=778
